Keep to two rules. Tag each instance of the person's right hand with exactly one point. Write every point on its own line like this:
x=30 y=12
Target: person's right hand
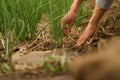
x=68 y=21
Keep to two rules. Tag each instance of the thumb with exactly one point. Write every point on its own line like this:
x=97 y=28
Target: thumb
x=67 y=29
x=63 y=22
x=70 y=26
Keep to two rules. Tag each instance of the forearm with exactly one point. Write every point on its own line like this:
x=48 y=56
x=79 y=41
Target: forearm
x=99 y=10
x=96 y=16
x=92 y=25
x=75 y=5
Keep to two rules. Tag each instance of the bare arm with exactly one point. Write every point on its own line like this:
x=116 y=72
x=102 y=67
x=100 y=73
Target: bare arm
x=75 y=6
x=92 y=25
x=70 y=17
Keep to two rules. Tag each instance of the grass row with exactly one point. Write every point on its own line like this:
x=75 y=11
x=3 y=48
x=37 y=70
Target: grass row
x=18 y=19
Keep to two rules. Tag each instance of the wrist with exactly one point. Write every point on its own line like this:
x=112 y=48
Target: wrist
x=97 y=15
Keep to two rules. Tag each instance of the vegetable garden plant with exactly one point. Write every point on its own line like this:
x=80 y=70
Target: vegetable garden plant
x=18 y=19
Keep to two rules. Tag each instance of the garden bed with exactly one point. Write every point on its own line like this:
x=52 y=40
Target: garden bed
x=27 y=58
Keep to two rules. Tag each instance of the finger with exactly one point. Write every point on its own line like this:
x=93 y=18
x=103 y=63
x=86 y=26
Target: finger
x=70 y=26
x=67 y=29
x=66 y=32
x=80 y=41
x=63 y=22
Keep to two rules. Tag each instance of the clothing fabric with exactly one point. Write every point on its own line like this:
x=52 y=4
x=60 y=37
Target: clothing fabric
x=105 y=4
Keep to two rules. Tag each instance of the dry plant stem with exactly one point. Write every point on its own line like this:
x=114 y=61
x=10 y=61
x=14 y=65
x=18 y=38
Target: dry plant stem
x=6 y=51
x=105 y=32
x=103 y=29
x=30 y=49
x=84 y=23
x=38 y=34
x=34 y=41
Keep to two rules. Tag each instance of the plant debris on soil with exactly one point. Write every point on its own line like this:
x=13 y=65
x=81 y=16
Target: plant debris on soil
x=27 y=58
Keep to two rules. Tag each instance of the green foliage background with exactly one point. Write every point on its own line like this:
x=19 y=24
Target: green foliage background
x=18 y=18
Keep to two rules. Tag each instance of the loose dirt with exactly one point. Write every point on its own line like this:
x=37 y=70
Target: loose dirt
x=27 y=58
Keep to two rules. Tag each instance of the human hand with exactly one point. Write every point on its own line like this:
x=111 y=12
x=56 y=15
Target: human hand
x=67 y=22
x=89 y=31
x=92 y=25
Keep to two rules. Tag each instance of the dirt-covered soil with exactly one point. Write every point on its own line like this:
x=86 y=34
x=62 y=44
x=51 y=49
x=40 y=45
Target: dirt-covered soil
x=27 y=58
